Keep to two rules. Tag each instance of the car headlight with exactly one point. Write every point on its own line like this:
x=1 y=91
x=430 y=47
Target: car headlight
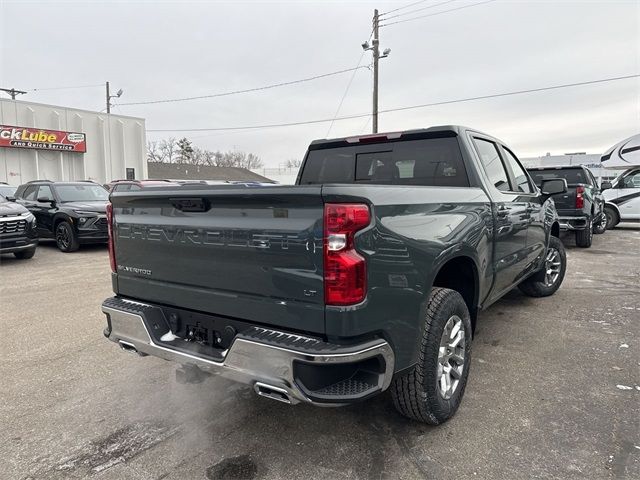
x=29 y=218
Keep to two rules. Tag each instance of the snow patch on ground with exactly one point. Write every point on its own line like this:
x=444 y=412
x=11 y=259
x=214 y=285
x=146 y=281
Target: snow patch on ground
x=624 y=387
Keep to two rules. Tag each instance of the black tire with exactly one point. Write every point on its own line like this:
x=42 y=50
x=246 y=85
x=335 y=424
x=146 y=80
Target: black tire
x=537 y=285
x=66 y=238
x=584 y=237
x=612 y=217
x=25 y=254
x=600 y=226
x=417 y=393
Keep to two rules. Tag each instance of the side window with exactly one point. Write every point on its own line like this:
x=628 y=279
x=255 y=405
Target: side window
x=490 y=159
x=632 y=181
x=522 y=181
x=30 y=193
x=44 y=191
x=122 y=187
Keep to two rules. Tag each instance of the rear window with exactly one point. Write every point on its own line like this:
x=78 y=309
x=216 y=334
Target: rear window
x=431 y=162
x=571 y=175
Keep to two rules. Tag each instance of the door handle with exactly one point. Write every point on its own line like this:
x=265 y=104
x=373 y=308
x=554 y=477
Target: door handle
x=503 y=210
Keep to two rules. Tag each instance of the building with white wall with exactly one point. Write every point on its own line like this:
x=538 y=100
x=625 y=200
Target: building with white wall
x=51 y=142
x=589 y=160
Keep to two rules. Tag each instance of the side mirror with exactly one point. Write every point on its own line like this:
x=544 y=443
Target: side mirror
x=605 y=186
x=554 y=186
x=11 y=198
x=45 y=200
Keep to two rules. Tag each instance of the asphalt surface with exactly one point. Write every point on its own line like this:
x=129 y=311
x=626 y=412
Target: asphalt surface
x=554 y=391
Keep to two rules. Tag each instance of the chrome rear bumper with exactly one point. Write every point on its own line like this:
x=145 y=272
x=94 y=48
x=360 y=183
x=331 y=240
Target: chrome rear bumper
x=261 y=357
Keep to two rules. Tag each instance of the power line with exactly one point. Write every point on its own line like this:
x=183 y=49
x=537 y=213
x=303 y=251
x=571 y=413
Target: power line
x=344 y=95
x=236 y=92
x=65 y=88
x=436 y=13
x=399 y=109
x=418 y=10
x=402 y=8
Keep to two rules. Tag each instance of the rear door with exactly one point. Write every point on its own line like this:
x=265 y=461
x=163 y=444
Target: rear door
x=511 y=211
x=253 y=254
x=43 y=211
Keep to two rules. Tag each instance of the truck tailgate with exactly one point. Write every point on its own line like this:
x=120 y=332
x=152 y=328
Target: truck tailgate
x=248 y=253
x=566 y=201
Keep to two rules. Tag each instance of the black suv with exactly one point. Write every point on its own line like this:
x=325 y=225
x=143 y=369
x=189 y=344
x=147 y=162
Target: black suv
x=17 y=230
x=72 y=213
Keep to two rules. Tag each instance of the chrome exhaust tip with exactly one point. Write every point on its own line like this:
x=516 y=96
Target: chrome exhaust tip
x=274 y=393
x=127 y=347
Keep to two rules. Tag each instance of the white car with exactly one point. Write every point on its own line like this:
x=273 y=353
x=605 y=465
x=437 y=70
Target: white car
x=622 y=200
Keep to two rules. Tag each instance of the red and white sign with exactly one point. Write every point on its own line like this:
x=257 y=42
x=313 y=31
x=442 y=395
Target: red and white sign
x=26 y=137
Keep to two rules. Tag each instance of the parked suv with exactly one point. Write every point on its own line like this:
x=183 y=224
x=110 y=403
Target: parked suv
x=17 y=230
x=581 y=207
x=72 y=213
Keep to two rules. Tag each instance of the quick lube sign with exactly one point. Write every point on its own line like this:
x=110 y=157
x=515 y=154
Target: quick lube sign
x=41 y=139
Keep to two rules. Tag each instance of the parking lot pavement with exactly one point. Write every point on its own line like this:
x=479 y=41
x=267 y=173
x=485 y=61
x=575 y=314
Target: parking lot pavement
x=554 y=391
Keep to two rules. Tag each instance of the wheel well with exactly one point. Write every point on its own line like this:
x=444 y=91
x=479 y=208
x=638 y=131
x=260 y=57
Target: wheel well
x=460 y=274
x=555 y=230
x=57 y=220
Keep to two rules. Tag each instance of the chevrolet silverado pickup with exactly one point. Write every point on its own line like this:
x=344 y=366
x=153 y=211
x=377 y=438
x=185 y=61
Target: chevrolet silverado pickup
x=366 y=275
x=581 y=207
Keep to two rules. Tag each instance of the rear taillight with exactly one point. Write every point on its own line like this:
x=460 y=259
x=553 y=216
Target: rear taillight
x=579 y=197
x=345 y=270
x=112 y=252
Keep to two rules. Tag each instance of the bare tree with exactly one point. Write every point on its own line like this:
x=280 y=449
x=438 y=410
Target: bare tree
x=293 y=163
x=163 y=151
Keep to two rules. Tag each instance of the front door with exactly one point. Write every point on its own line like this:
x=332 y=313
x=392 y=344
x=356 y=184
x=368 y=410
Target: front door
x=626 y=195
x=536 y=234
x=511 y=218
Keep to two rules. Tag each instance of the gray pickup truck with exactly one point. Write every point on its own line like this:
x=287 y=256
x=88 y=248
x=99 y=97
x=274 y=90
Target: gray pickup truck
x=366 y=275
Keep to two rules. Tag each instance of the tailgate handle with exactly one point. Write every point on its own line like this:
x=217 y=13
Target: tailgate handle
x=194 y=204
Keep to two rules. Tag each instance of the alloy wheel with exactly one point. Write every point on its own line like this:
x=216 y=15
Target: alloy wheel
x=62 y=237
x=552 y=266
x=451 y=357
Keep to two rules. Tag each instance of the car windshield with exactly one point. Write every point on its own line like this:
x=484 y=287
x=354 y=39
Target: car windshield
x=2 y=199
x=81 y=193
x=571 y=175
x=7 y=190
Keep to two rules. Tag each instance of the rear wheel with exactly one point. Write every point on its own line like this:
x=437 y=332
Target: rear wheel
x=25 y=254
x=432 y=390
x=612 y=217
x=549 y=278
x=585 y=237
x=66 y=238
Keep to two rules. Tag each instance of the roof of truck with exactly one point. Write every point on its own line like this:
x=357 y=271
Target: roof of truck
x=444 y=130
x=557 y=167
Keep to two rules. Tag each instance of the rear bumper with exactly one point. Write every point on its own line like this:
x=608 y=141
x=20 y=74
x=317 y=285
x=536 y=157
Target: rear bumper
x=573 y=223
x=280 y=365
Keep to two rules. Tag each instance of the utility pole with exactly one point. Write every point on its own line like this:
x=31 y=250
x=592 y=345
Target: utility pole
x=375 y=51
x=376 y=57
x=13 y=92
x=108 y=99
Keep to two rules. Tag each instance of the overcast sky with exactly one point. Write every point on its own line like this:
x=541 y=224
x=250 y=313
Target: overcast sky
x=158 y=50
